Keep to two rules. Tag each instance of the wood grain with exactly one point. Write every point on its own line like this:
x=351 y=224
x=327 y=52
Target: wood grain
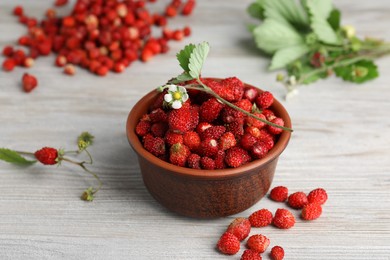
x=341 y=143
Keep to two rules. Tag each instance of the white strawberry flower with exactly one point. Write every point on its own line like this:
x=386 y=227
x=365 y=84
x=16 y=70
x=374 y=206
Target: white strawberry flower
x=176 y=96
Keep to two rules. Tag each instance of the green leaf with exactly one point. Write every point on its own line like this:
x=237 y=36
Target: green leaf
x=181 y=78
x=358 y=72
x=197 y=58
x=251 y=27
x=256 y=9
x=286 y=11
x=335 y=19
x=285 y=56
x=319 y=12
x=14 y=157
x=273 y=35
x=184 y=56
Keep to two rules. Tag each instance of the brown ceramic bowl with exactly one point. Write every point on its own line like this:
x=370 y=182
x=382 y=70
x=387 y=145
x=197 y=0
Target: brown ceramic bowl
x=205 y=193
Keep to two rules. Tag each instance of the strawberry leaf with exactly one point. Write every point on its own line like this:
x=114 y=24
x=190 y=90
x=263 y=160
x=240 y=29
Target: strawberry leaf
x=14 y=157
x=184 y=56
x=286 y=11
x=287 y=55
x=197 y=58
x=358 y=72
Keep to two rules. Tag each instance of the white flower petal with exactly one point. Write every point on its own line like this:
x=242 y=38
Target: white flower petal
x=168 y=98
x=185 y=97
x=172 y=88
x=182 y=89
x=176 y=104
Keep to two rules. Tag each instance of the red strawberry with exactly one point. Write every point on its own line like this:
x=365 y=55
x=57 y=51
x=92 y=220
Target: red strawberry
x=192 y=140
x=236 y=127
x=159 y=129
x=214 y=132
x=236 y=157
x=158 y=103
x=220 y=160
x=244 y=104
x=259 y=150
x=226 y=141
x=267 y=139
x=228 y=244
x=202 y=126
x=172 y=138
x=209 y=110
x=258 y=243
x=268 y=114
x=154 y=145
x=193 y=161
x=229 y=114
x=250 y=254
x=277 y=253
x=178 y=154
x=194 y=116
x=47 y=155
x=29 y=82
x=208 y=147
x=251 y=94
x=158 y=115
x=207 y=163
x=233 y=89
x=251 y=121
x=276 y=130
x=247 y=141
x=261 y=218
x=265 y=100
x=253 y=131
x=240 y=227
x=283 y=219
x=279 y=193
x=311 y=211
x=180 y=119
x=143 y=127
x=297 y=200
x=318 y=195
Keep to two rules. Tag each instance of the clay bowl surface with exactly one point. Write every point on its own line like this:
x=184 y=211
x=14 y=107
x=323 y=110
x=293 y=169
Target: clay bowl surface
x=205 y=193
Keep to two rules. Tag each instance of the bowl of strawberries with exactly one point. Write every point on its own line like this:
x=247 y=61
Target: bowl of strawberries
x=208 y=147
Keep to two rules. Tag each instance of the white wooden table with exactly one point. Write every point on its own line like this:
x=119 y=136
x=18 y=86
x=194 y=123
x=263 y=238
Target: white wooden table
x=341 y=143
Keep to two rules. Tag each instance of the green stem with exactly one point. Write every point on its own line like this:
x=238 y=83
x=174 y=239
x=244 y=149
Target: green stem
x=211 y=92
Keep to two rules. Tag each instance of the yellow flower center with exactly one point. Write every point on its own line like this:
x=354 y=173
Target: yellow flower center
x=176 y=95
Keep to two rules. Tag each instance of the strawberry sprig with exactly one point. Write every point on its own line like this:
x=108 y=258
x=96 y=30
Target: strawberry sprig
x=191 y=59
x=52 y=156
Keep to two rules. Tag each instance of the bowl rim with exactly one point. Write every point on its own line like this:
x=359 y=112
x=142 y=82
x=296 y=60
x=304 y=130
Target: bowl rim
x=273 y=154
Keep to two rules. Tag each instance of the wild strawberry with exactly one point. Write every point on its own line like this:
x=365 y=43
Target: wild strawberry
x=8 y=51
x=279 y=193
x=158 y=115
x=159 y=129
x=236 y=127
x=297 y=200
x=29 y=82
x=240 y=227
x=229 y=114
x=311 y=211
x=214 y=132
x=251 y=121
x=253 y=131
x=228 y=244
x=233 y=89
x=220 y=160
x=261 y=218
x=266 y=139
x=207 y=163
x=18 y=10
x=158 y=103
x=143 y=127
x=251 y=94
x=192 y=140
x=180 y=119
x=47 y=155
x=269 y=114
x=236 y=157
x=202 y=126
x=209 y=110
x=277 y=253
x=194 y=120
x=244 y=104
x=208 y=147
x=9 y=64
x=283 y=219
x=318 y=195
x=276 y=130
x=172 y=138
x=259 y=150
x=258 y=243
x=250 y=254
x=265 y=100
x=178 y=154
x=227 y=141
x=193 y=161
x=247 y=141
x=154 y=145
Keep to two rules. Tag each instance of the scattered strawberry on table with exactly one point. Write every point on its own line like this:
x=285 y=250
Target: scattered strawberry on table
x=257 y=244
